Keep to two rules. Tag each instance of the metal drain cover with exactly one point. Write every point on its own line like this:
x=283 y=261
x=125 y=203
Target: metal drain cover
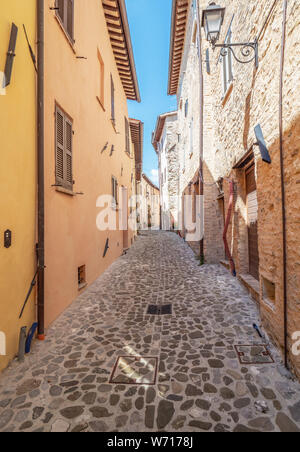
x=165 y=309
x=253 y=354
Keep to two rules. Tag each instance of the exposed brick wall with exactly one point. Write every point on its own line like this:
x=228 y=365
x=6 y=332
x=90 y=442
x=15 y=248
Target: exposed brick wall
x=253 y=99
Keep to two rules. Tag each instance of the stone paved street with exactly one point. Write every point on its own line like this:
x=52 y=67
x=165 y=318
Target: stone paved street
x=82 y=378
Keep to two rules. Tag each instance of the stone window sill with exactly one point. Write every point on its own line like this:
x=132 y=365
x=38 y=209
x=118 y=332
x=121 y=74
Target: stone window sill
x=65 y=191
x=268 y=304
x=82 y=286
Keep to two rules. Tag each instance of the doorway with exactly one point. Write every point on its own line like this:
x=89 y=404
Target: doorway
x=252 y=216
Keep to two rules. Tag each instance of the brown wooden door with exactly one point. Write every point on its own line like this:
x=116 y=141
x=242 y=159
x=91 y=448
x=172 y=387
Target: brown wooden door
x=252 y=222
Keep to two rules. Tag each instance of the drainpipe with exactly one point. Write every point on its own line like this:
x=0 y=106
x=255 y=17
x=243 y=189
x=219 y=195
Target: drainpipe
x=201 y=179
x=41 y=181
x=284 y=246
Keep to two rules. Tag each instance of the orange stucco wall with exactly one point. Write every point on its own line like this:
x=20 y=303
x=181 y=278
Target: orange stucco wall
x=72 y=238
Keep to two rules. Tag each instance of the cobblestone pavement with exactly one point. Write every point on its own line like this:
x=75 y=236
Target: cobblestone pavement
x=94 y=372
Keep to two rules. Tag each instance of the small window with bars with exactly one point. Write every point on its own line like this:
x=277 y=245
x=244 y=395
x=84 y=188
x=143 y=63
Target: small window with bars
x=63 y=150
x=65 y=12
x=81 y=276
x=114 y=184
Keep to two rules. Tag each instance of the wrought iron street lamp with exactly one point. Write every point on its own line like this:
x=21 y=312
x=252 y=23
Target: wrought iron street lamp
x=212 y=21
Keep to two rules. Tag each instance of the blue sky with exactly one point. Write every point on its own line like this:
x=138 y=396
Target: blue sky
x=150 y=22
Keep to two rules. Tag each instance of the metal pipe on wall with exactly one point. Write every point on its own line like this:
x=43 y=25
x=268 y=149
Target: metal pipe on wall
x=41 y=180
x=201 y=130
x=284 y=247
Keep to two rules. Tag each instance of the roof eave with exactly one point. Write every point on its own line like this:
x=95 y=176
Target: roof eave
x=129 y=47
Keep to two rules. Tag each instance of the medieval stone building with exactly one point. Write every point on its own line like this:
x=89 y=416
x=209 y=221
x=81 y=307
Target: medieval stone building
x=241 y=105
x=165 y=142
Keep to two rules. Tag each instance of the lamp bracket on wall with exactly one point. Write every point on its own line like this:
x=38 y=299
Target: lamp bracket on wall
x=248 y=52
x=265 y=155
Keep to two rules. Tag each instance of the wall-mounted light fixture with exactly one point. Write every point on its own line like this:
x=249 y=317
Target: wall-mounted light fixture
x=212 y=21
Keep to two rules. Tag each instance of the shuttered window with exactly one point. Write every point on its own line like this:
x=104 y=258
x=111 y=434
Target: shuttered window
x=127 y=136
x=113 y=117
x=65 y=12
x=63 y=151
x=114 y=184
x=186 y=108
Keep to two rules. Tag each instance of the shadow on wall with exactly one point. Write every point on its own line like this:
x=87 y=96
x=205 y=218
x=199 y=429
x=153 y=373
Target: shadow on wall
x=270 y=238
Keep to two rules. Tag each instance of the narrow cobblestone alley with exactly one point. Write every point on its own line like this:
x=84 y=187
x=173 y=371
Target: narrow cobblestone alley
x=107 y=365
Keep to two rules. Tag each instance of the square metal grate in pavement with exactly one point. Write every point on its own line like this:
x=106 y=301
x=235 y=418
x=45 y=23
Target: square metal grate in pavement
x=253 y=354
x=165 y=309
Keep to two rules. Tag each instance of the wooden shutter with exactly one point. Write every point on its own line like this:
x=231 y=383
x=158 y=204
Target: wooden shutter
x=61 y=9
x=114 y=190
x=60 y=146
x=68 y=176
x=66 y=14
x=127 y=136
x=63 y=150
x=112 y=100
x=70 y=18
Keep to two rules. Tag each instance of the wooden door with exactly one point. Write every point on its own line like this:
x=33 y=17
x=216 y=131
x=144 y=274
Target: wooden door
x=252 y=222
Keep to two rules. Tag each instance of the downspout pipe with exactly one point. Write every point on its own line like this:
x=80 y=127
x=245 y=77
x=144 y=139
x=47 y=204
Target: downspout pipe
x=283 y=195
x=201 y=131
x=41 y=180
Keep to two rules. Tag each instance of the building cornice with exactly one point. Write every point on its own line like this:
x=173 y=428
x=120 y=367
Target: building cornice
x=180 y=10
x=119 y=33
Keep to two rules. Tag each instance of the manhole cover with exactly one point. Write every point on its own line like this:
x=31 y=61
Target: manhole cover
x=254 y=354
x=164 y=309
x=135 y=370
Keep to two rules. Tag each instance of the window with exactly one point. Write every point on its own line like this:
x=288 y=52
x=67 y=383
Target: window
x=127 y=138
x=186 y=108
x=114 y=184
x=227 y=65
x=63 y=150
x=81 y=276
x=113 y=117
x=101 y=90
x=65 y=12
x=192 y=138
x=268 y=290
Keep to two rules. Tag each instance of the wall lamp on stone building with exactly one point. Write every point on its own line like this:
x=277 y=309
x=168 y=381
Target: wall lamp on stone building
x=212 y=21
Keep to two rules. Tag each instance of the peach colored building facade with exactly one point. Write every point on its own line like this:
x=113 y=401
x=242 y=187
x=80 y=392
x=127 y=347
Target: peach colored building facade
x=89 y=150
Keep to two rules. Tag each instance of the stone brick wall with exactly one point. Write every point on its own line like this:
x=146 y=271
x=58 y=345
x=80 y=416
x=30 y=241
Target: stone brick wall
x=252 y=99
x=168 y=171
x=189 y=149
